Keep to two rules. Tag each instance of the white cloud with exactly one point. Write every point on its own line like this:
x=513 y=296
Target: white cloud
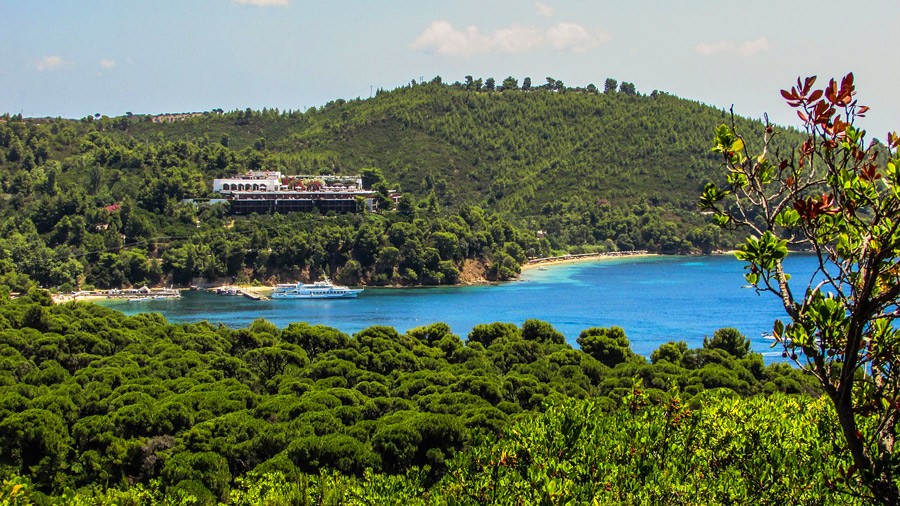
x=108 y=64
x=710 y=48
x=573 y=38
x=263 y=3
x=544 y=10
x=754 y=47
x=746 y=48
x=443 y=38
x=51 y=62
x=516 y=39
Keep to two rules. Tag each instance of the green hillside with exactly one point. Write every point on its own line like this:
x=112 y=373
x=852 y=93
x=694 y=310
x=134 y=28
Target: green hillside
x=491 y=177
x=512 y=149
x=572 y=162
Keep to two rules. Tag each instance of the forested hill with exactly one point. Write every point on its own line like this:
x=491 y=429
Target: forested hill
x=552 y=158
x=492 y=175
x=509 y=150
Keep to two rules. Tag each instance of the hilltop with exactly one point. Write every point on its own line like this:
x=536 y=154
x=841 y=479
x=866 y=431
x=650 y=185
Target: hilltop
x=574 y=162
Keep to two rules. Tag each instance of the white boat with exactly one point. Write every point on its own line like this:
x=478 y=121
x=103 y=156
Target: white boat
x=317 y=290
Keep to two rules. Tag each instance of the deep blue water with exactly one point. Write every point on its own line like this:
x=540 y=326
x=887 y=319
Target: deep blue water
x=655 y=299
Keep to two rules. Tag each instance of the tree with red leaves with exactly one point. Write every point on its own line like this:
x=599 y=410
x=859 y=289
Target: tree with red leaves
x=839 y=197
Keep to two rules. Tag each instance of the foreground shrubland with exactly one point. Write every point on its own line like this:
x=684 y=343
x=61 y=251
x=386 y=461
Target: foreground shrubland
x=722 y=450
x=91 y=400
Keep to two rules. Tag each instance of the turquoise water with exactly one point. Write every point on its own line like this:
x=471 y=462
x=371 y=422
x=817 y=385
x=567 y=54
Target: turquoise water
x=655 y=299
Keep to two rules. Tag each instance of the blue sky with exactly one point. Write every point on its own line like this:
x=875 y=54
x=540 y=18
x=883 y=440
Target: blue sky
x=75 y=58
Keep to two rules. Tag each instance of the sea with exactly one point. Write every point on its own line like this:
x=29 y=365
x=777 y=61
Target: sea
x=655 y=299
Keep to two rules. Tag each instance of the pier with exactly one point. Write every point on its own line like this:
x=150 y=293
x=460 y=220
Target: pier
x=235 y=291
x=251 y=295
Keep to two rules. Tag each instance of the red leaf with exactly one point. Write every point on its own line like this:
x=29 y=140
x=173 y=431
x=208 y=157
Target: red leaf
x=808 y=84
x=831 y=92
x=845 y=99
x=847 y=81
x=840 y=126
x=803 y=116
x=869 y=173
x=816 y=95
x=893 y=139
x=807 y=147
x=807 y=208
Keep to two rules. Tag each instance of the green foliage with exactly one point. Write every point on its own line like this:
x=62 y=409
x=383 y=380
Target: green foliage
x=773 y=450
x=835 y=194
x=543 y=332
x=608 y=345
x=487 y=334
x=721 y=450
x=730 y=340
x=185 y=411
x=671 y=352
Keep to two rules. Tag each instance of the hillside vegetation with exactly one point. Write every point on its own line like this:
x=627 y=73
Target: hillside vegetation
x=490 y=175
x=577 y=163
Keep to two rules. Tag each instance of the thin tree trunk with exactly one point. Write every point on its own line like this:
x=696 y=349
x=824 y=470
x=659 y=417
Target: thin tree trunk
x=885 y=491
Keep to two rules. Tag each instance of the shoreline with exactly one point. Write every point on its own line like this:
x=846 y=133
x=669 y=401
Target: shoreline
x=535 y=263
x=531 y=264
x=95 y=295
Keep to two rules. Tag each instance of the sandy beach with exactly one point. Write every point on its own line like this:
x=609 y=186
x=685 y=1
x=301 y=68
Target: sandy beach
x=585 y=257
x=91 y=297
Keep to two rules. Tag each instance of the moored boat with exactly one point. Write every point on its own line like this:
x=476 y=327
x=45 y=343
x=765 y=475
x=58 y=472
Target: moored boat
x=317 y=290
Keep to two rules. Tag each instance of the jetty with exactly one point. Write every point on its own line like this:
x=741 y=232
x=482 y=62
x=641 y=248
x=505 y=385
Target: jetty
x=251 y=295
x=237 y=291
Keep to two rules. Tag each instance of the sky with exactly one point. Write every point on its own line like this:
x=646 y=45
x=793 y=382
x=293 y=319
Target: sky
x=71 y=58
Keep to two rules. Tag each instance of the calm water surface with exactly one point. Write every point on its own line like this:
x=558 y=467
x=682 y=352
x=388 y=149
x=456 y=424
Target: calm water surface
x=655 y=299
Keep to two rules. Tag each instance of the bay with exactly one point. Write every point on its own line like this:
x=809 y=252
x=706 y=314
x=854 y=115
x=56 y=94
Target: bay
x=656 y=299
